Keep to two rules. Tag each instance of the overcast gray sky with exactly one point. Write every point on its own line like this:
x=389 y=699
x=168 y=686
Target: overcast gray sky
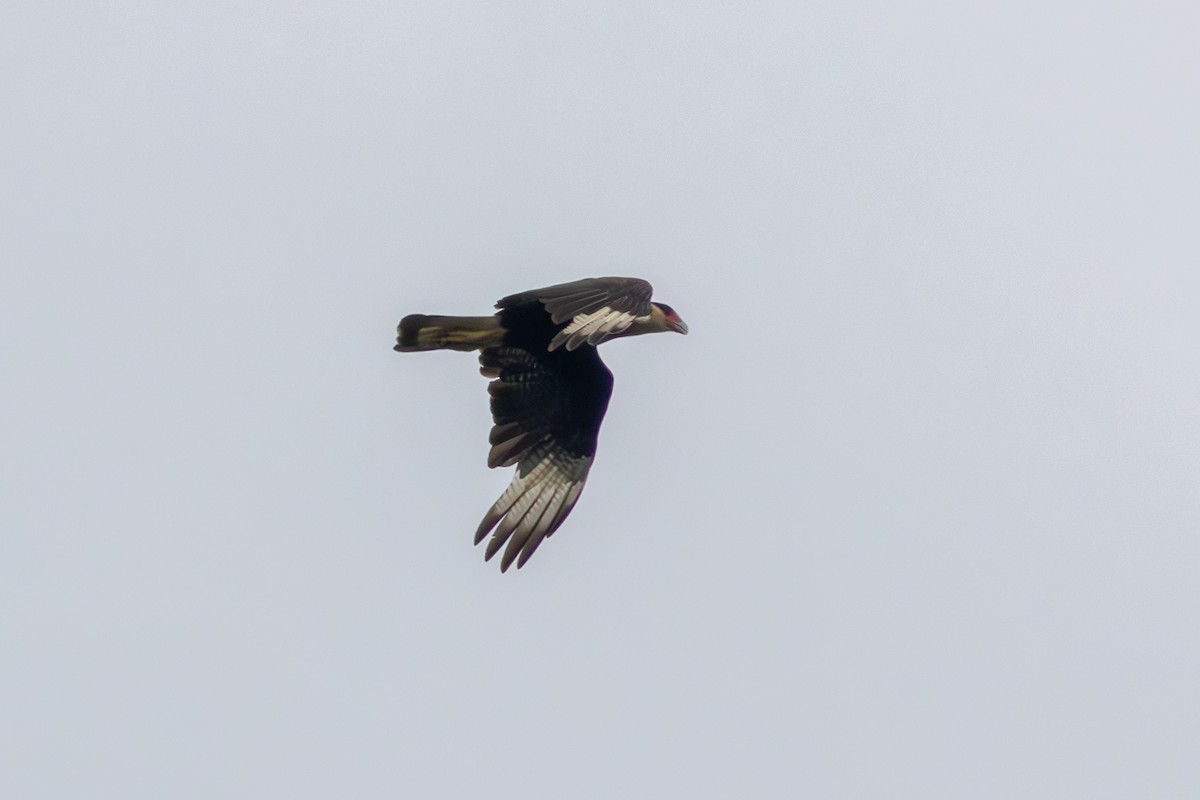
x=912 y=513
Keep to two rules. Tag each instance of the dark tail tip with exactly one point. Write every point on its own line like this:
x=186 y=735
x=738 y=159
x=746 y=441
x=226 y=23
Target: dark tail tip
x=408 y=332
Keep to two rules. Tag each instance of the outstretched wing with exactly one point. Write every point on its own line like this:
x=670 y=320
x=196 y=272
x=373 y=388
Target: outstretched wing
x=592 y=309
x=547 y=407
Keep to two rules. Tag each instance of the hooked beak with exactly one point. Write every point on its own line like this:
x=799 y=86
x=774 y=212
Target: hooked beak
x=676 y=324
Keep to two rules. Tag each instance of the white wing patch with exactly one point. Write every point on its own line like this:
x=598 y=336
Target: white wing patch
x=592 y=328
x=533 y=506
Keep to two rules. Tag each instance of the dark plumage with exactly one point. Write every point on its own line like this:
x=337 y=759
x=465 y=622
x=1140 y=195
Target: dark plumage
x=549 y=393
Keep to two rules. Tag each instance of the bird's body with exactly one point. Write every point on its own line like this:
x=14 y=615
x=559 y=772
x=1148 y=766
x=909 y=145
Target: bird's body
x=549 y=393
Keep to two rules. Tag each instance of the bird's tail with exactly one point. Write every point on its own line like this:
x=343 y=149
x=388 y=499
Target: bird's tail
x=418 y=332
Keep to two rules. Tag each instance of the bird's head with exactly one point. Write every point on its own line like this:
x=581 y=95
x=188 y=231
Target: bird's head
x=666 y=317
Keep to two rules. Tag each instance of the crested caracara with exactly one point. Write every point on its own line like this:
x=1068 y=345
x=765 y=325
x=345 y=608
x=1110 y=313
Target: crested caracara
x=549 y=393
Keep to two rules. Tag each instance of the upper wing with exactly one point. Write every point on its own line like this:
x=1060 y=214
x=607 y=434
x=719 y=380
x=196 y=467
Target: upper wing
x=593 y=308
x=547 y=407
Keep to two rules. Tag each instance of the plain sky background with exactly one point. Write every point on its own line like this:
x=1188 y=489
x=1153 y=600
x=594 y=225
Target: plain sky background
x=912 y=513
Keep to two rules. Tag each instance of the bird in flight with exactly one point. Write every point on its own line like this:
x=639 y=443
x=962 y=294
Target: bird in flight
x=548 y=394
